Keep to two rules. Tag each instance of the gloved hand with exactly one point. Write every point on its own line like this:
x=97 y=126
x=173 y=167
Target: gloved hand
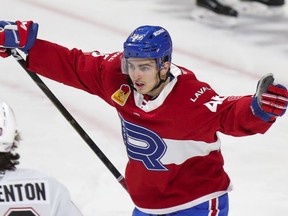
x=270 y=100
x=17 y=34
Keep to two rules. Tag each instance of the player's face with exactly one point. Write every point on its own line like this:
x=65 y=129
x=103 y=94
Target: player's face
x=144 y=74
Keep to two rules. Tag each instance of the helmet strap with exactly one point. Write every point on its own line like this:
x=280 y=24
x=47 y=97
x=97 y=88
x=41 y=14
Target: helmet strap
x=161 y=81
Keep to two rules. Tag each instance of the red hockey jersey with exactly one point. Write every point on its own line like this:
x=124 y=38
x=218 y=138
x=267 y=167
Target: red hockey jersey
x=175 y=159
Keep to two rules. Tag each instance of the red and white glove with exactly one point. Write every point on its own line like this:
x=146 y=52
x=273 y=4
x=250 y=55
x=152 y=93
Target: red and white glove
x=275 y=100
x=17 y=34
x=270 y=100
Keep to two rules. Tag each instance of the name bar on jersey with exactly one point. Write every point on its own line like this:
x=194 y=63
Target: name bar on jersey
x=23 y=192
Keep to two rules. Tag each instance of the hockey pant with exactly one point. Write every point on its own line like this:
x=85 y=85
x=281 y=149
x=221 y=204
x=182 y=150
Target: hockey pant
x=215 y=207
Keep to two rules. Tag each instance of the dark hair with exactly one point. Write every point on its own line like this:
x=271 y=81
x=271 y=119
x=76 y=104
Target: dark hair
x=9 y=160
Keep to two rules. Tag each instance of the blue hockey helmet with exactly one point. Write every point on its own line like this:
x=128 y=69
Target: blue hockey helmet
x=149 y=42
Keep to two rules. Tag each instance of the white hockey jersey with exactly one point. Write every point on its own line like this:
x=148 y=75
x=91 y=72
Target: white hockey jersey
x=31 y=193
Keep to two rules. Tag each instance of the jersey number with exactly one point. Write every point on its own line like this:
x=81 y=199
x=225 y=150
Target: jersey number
x=21 y=212
x=215 y=101
x=143 y=145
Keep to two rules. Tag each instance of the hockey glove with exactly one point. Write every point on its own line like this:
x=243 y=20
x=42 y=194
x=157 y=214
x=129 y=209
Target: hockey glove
x=270 y=100
x=18 y=34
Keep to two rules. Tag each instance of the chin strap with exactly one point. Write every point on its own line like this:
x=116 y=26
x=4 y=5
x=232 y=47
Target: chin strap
x=168 y=74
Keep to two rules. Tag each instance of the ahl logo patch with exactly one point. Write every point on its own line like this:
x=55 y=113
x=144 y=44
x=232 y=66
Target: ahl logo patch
x=121 y=95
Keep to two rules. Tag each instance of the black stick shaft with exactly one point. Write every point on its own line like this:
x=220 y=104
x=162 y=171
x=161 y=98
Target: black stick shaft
x=70 y=119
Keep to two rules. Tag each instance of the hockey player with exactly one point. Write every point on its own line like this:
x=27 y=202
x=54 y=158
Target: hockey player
x=225 y=12
x=169 y=118
x=26 y=191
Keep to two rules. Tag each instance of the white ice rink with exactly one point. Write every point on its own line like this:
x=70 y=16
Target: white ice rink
x=230 y=60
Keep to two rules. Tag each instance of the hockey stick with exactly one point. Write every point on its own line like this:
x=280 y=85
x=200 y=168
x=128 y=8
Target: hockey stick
x=70 y=119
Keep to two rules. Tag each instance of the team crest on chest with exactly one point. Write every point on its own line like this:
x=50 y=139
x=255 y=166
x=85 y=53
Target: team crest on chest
x=121 y=95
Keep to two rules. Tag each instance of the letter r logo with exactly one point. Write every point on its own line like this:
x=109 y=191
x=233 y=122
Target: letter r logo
x=143 y=145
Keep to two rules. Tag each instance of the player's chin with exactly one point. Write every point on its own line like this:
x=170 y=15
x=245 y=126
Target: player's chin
x=142 y=90
x=139 y=88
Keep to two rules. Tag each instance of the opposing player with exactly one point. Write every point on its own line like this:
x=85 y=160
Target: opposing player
x=169 y=118
x=25 y=191
x=225 y=12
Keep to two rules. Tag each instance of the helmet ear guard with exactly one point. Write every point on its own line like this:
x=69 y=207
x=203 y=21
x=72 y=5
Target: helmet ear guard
x=160 y=62
x=149 y=42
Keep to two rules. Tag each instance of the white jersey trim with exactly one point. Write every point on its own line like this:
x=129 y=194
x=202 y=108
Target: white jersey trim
x=178 y=151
